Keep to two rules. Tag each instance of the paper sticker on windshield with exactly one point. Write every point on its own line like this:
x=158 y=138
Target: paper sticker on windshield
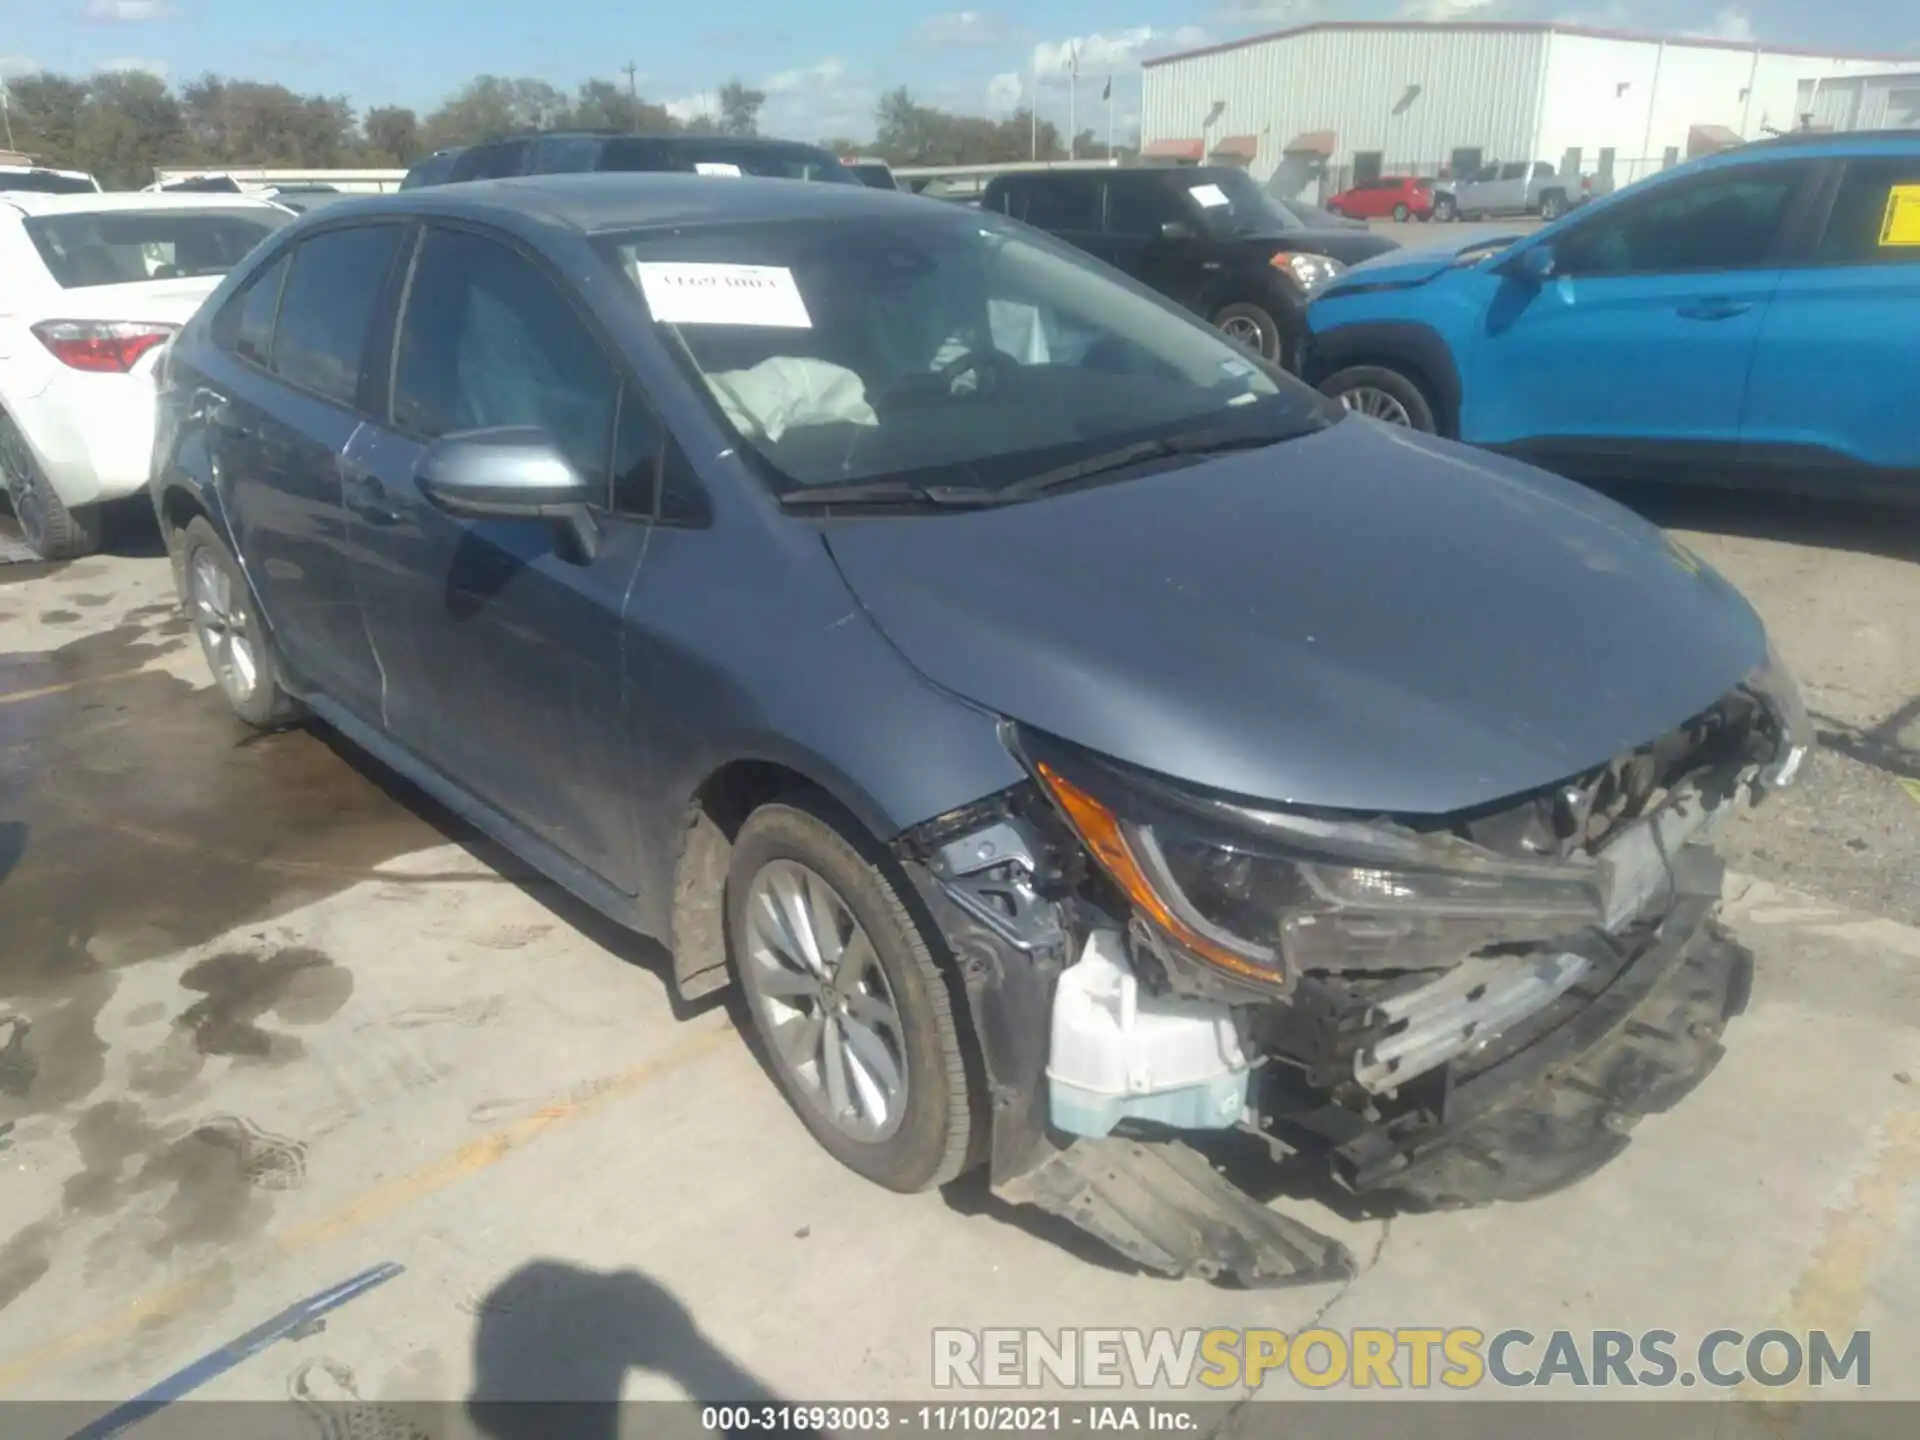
x=696 y=294
x=1209 y=195
x=1238 y=369
x=1901 y=227
x=715 y=167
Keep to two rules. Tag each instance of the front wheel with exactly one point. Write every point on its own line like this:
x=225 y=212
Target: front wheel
x=851 y=1009
x=1254 y=327
x=1443 y=209
x=1402 y=213
x=1381 y=394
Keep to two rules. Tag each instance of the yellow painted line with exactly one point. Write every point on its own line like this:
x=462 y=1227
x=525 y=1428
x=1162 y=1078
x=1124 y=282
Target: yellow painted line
x=172 y=1301
x=1832 y=1292
x=66 y=685
x=1912 y=787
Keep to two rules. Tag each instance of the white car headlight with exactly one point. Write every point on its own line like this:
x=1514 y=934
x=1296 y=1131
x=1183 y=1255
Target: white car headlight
x=1309 y=270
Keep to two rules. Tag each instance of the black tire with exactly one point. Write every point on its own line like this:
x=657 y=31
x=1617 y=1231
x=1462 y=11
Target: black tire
x=1402 y=213
x=934 y=1139
x=265 y=704
x=1571 y=1123
x=1444 y=211
x=1402 y=388
x=1552 y=206
x=1271 y=344
x=52 y=530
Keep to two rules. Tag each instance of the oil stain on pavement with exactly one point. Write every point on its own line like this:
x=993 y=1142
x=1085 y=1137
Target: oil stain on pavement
x=138 y=821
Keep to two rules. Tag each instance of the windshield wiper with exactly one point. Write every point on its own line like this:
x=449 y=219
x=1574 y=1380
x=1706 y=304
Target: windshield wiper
x=1199 y=442
x=889 y=492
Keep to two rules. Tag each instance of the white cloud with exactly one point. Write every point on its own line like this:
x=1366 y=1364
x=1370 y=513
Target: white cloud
x=135 y=64
x=691 y=107
x=1728 y=24
x=1103 y=54
x=126 y=12
x=958 y=28
x=1266 y=12
x=1443 y=9
x=1006 y=90
x=827 y=73
x=12 y=65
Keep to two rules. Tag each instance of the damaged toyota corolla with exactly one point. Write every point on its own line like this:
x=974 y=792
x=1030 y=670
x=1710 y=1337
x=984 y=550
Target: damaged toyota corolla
x=1076 y=737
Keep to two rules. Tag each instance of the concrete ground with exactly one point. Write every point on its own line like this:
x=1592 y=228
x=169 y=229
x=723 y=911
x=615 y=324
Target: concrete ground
x=268 y=1019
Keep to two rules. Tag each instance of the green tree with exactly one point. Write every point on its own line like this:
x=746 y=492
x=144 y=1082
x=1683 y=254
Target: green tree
x=490 y=106
x=44 y=109
x=740 y=109
x=391 y=135
x=130 y=124
x=603 y=105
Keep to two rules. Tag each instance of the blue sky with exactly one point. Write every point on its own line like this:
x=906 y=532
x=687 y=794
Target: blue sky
x=822 y=64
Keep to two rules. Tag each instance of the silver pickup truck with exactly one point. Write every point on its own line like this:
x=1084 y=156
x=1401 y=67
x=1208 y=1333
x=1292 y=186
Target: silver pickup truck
x=1517 y=187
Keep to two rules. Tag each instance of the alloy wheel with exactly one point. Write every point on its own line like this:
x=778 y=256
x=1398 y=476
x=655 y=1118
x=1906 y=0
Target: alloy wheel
x=827 y=1006
x=23 y=492
x=217 y=605
x=1376 y=404
x=1246 y=330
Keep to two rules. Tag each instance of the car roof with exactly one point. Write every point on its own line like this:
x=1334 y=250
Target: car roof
x=31 y=203
x=603 y=201
x=44 y=170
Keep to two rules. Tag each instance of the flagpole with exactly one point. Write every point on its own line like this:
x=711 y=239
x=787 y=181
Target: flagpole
x=1109 y=93
x=1033 y=113
x=1073 y=98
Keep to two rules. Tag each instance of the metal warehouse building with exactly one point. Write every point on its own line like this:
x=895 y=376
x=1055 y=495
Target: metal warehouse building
x=1315 y=108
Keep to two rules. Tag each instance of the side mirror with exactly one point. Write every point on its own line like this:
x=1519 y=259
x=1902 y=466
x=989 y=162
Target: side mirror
x=515 y=473
x=1534 y=265
x=1175 y=230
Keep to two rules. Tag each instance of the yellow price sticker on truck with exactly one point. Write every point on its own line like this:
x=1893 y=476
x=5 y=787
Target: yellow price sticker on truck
x=1901 y=227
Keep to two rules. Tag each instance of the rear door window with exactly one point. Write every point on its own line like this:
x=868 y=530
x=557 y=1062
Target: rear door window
x=1875 y=218
x=333 y=291
x=245 y=325
x=1064 y=202
x=1134 y=208
x=490 y=162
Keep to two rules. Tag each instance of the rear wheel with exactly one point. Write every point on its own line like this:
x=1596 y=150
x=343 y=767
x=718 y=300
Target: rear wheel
x=238 y=648
x=1381 y=394
x=1552 y=206
x=51 y=530
x=1253 y=326
x=1402 y=213
x=850 y=1007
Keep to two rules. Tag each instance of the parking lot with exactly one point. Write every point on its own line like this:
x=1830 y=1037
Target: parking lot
x=267 y=1019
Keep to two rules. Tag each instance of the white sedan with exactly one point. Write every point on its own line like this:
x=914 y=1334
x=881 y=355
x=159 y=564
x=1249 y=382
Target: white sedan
x=91 y=288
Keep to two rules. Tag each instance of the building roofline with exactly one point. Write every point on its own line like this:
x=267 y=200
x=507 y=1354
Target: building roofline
x=1524 y=27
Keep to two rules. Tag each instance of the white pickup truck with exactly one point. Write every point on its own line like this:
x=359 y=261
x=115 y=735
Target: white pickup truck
x=1516 y=187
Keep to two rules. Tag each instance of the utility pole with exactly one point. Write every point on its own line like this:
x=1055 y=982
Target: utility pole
x=633 y=93
x=6 y=114
x=1033 y=114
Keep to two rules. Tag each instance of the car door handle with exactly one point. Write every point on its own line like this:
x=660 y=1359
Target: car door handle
x=364 y=496
x=1714 y=309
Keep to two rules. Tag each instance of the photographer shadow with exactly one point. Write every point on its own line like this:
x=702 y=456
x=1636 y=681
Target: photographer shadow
x=555 y=1344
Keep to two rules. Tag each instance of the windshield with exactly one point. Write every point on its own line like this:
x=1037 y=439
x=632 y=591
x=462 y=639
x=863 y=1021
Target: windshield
x=941 y=347
x=1231 y=202
x=717 y=155
x=119 y=247
x=48 y=182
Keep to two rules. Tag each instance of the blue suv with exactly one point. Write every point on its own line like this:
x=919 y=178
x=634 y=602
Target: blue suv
x=1749 y=318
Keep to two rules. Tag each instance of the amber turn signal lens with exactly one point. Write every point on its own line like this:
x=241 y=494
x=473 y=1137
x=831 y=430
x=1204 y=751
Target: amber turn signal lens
x=1100 y=828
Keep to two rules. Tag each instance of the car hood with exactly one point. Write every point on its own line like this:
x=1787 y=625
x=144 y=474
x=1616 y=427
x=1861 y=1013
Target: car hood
x=1407 y=268
x=1362 y=618
x=1350 y=247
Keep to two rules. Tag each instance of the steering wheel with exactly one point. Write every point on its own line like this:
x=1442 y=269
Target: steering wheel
x=989 y=365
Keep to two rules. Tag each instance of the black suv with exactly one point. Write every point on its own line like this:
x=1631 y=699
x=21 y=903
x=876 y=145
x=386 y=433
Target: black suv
x=1206 y=236
x=557 y=152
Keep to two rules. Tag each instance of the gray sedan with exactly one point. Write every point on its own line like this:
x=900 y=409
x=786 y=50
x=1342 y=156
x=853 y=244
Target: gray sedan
x=1070 y=732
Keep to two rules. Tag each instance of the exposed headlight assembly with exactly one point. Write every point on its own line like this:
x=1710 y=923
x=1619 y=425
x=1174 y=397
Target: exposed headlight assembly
x=1310 y=270
x=1265 y=895
x=1780 y=693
